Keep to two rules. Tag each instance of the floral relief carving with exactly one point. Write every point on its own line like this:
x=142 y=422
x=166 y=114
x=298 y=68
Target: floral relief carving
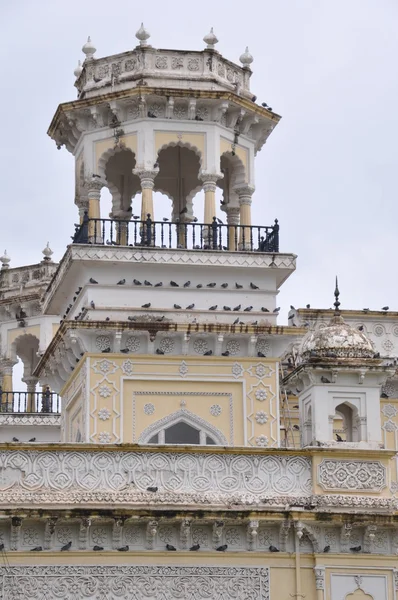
x=233 y=347
x=104 y=367
x=221 y=70
x=193 y=64
x=261 y=394
x=70 y=582
x=233 y=537
x=237 y=370
x=99 y=535
x=130 y=64
x=167 y=345
x=104 y=391
x=104 y=414
x=200 y=536
x=389 y=426
x=202 y=113
x=166 y=534
x=389 y=411
x=133 y=343
x=262 y=441
x=263 y=346
x=133 y=535
x=133 y=111
x=177 y=62
x=104 y=437
x=180 y=111
x=149 y=408
x=63 y=534
x=183 y=368
x=351 y=475
x=30 y=536
x=156 y=109
x=103 y=342
x=388 y=345
x=378 y=330
x=261 y=417
x=161 y=62
x=200 y=346
x=215 y=410
x=127 y=367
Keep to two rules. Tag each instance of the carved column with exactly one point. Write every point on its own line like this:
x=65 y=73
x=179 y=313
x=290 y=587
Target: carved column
x=252 y=533
x=94 y=211
x=319 y=573
x=31 y=403
x=245 y=203
x=6 y=366
x=233 y=213
x=147 y=184
x=49 y=529
x=15 y=537
x=82 y=205
x=299 y=534
x=123 y=218
x=209 y=188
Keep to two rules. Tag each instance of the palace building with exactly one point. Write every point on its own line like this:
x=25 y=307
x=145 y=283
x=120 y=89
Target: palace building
x=175 y=441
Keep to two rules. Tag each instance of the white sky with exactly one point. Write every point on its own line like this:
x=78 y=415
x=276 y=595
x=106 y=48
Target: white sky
x=328 y=172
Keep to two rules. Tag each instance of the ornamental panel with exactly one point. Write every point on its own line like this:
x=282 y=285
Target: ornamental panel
x=144 y=582
x=352 y=475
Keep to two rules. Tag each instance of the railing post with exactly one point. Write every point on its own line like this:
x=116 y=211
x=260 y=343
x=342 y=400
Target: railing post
x=46 y=401
x=233 y=222
x=276 y=236
x=94 y=212
x=214 y=234
x=245 y=193
x=122 y=219
x=147 y=231
x=209 y=187
x=31 y=383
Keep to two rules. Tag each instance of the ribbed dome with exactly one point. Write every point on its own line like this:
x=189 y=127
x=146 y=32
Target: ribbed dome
x=337 y=339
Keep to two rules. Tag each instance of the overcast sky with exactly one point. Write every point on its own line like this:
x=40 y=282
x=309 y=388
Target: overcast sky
x=328 y=172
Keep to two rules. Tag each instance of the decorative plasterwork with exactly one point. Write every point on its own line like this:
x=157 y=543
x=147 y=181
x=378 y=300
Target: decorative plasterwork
x=350 y=475
x=30 y=419
x=72 y=477
x=148 y=581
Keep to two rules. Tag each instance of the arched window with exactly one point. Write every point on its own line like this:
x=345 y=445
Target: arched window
x=345 y=423
x=183 y=427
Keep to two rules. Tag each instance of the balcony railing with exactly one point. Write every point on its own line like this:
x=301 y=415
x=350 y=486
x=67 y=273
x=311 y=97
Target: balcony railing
x=185 y=235
x=29 y=402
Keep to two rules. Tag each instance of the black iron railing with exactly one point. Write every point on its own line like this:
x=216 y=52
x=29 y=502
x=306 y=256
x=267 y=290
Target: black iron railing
x=187 y=235
x=29 y=402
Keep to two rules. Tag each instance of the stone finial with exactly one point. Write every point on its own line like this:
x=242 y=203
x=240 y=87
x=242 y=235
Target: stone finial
x=246 y=58
x=47 y=253
x=143 y=35
x=5 y=261
x=89 y=49
x=78 y=71
x=211 y=39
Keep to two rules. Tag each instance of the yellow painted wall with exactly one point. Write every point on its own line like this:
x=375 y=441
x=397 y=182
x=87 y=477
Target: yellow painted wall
x=129 y=141
x=197 y=140
x=13 y=334
x=242 y=153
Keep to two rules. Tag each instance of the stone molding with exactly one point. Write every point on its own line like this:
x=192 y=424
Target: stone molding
x=350 y=475
x=69 y=582
x=30 y=419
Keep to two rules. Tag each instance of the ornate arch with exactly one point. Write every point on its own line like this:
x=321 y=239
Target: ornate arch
x=182 y=144
x=107 y=154
x=238 y=167
x=187 y=417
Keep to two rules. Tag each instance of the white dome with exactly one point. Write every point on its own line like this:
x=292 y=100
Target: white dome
x=336 y=340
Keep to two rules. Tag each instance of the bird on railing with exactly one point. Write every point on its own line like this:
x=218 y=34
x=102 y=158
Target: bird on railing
x=224 y=285
x=151 y=115
x=159 y=319
x=91 y=280
x=92 y=304
x=123 y=548
x=222 y=548
x=226 y=353
x=136 y=282
x=165 y=219
x=124 y=350
x=121 y=282
x=147 y=283
x=33 y=439
x=261 y=354
x=170 y=548
x=247 y=309
x=37 y=549
x=237 y=307
x=238 y=286
x=159 y=351
x=211 y=285
x=194 y=548
x=66 y=547
x=213 y=307
x=177 y=306
x=174 y=284
x=14 y=439
x=276 y=310
x=98 y=548
x=236 y=321
x=147 y=305
x=132 y=318
x=208 y=353
x=254 y=286
x=385 y=308
x=160 y=284
x=264 y=309
x=190 y=307
x=226 y=308
x=187 y=284
x=200 y=285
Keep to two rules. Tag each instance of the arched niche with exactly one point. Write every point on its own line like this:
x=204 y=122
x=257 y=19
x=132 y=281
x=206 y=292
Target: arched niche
x=123 y=184
x=234 y=175
x=345 y=422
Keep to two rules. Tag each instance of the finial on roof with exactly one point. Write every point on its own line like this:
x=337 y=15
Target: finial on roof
x=336 y=296
x=47 y=253
x=5 y=261
x=78 y=71
x=246 y=58
x=211 y=39
x=143 y=35
x=89 y=49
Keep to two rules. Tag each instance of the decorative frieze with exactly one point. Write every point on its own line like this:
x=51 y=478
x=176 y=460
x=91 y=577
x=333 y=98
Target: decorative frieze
x=351 y=475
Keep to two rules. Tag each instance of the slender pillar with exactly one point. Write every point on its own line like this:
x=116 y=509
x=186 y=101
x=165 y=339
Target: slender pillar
x=233 y=213
x=94 y=211
x=209 y=188
x=245 y=203
x=82 y=205
x=123 y=217
x=147 y=184
x=6 y=367
x=31 y=403
x=297 y=538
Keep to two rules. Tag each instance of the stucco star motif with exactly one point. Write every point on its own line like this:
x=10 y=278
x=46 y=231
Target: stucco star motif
x=389 y=426
x=237 y=370
x=106 y=367
x=262 y=441
x=104 y=414
x=261 y=417
x=127 y=367
x=215 y=410
x=261 y=395
x=183 y=369
x=389 y=410
x=104 y=391
x=104 y=437
x=149 y=408
x=260 y=370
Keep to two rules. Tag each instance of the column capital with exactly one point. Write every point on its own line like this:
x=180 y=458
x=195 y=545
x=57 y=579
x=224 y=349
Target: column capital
x=6 y=366
x=319 y=573
x=210 y=179
x=233 y=213
x=147 y=177
x=245 y=193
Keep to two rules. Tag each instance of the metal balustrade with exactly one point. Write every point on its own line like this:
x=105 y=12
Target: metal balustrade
x=178 y=235
x=30 y=402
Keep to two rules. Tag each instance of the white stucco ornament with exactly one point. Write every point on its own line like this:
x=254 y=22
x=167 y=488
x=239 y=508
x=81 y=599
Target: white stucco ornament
x=210 y=39
x=47 y=252
x=89 y=49
x=78 y=71
x=5 y=261
x=246 y=58
x=143 y=35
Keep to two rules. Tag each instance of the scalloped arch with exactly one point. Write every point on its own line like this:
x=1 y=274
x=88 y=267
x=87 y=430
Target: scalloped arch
x=238 y=167
x=187 y=417
x=106 y=155
x=187 y=145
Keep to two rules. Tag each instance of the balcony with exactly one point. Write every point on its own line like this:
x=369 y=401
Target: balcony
x=30 y=402
x=178 y=235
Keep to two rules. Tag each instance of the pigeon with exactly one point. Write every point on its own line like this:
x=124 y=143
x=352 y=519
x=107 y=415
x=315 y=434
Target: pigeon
x=121 y=282
x=276 y=310
x=376 y=355
x=384 y=395
x=195 y=547
x=170 y=548
x=107 y=319
x=339 y=438
x=237 y=307
x=66 y=547
x=106 y=351
x=36 y=549
x=32 y=439
x=148 y=283
x=159 y=319
x=184 y=210
x=1 y=547
x=208 y=353
x=165 y=219
x=365 y=310
x=92 y=304
x=308 y=306
x=136 y=282
x=273 y=549
x=254 y=286
x=159 y=284
x=200 y=285
x=222 y=548
x=296 y=406
x=224 y=285
x=226 y=353
x=174 y=284
x=14 y=439
x=124 y=350
x=190 y=307
x=123 y=549
x=292 y=307
x=147 y=305
x=385 y=308
x=213 y=307
x=226 y=307
x=187 y=284
x=219 y=221
x=152 y=489
x=236 y=321
x=132 y=318
x=177 y=306
x=331 y=354
x=159 y=351
x=211 y=285
x=360 y=328
x=263 y=309
x=97 y=548
x=91 y=280
x=296 y=427
x=247 y=309
x=326 y=549
x=324 y=379
x=151 y=115
x=356 y=549
x=198 y=118
x=260 y=354
x=238 y=286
